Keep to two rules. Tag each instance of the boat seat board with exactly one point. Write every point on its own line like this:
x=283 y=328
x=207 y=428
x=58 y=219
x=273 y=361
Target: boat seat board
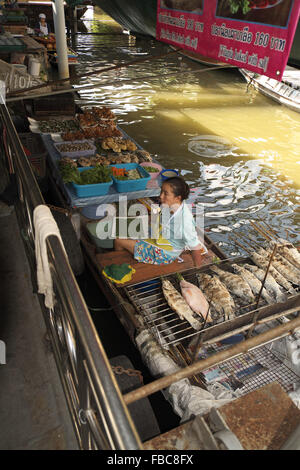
x=144 y=271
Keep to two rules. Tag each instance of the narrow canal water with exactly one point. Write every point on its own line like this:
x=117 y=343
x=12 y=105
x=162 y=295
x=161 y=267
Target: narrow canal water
x=238 y=150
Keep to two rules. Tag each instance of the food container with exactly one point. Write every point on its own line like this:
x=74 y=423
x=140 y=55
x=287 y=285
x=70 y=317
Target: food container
x=111 y=227
x=52 y=126
x=124 y=186
x=148 y=165
x=165 y=174
x=88 y=190
x=77 y=153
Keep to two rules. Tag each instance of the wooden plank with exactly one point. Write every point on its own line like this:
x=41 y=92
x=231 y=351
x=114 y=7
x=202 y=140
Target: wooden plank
x=145 y=271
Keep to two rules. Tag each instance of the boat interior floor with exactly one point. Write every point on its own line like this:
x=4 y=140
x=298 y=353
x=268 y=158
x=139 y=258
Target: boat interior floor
x=143 y=271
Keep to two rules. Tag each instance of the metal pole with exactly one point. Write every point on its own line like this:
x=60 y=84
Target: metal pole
x=61 y=39
x=213 y=360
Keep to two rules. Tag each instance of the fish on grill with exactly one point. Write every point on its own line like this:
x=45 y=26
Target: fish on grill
x=235 y=284
x=220 y=299
x=287 y=250
x=177 y=303
x=261 y=262
x=270 y=284
x=254 y=283
x=290 y=272
x=194 y=297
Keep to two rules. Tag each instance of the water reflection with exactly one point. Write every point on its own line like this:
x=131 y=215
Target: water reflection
x=237 y=149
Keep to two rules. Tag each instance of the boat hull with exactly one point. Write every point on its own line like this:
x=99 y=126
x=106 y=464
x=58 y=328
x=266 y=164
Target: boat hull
x=286 y=92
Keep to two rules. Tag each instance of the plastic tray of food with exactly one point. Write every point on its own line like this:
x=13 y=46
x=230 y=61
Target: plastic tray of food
x=139 y=184
x=76 y=148
x=88 y=190
x=52 y=126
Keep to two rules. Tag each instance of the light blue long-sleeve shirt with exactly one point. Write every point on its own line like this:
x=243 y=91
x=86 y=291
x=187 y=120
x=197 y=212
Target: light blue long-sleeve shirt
x=180 y=230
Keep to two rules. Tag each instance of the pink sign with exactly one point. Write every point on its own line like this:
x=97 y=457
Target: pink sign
x=252 y=34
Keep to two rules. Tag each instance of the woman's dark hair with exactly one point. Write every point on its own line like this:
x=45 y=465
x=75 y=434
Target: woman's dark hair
x=179 y=187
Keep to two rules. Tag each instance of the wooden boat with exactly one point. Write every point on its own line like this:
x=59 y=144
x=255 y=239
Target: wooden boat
x=286 y=92
x=150 y=323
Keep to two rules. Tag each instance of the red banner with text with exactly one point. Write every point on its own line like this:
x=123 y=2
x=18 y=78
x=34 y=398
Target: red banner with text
x=252 y=34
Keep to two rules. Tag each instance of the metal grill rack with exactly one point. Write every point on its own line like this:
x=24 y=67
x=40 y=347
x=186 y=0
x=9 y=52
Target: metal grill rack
x=170 y=330
x=249 y=371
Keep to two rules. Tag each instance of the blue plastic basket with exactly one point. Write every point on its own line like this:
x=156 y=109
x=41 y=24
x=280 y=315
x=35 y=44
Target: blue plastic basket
x=124 y=186
x=88 y=190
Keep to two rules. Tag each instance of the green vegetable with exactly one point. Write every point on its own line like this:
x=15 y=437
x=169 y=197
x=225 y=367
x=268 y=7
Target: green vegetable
x=98 y=174
x=151 y=169
x=235 y=5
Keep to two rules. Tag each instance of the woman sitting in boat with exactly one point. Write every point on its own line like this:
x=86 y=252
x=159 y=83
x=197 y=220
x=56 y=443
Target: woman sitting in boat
x=43 y=28
x=181 y=229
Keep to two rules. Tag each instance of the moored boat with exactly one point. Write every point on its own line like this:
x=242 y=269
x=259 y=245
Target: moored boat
x=286 y=92
x=155 y=328
x=153 y=325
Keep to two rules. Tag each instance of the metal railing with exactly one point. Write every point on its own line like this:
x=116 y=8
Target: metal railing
x=100 y=417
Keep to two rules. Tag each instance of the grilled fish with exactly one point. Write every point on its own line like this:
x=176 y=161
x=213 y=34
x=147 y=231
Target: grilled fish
x=263 y=263
x=290 y=272
x=217 y=294
x=194 y=297
x=288 y=251
x=178 y=304
x=235 y=284
x=270 y=284
x=254 y=283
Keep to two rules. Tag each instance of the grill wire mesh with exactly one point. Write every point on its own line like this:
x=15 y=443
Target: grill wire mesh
x=249 y=371
x=164 y=323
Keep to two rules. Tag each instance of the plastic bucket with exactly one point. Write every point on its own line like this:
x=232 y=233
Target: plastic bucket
x=34 y=67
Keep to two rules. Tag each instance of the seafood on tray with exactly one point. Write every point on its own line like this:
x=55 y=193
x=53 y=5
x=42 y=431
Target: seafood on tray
x=68 y=161
x=221 y=302
x=117 y=144
x=177 y=303
x=100 y=112
x=93 y=133
x=195 y=298
x=128 y=157
x=109 y=159
x=90 y=120
x=235 y=284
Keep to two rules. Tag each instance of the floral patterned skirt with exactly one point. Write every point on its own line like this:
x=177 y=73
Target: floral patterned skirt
x=146 y=253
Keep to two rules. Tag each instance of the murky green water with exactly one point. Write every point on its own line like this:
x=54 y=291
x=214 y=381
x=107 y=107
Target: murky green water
x=238 y=149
